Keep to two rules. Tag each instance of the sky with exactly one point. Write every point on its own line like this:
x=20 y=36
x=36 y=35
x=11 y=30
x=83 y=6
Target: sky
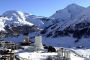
x=39 y=7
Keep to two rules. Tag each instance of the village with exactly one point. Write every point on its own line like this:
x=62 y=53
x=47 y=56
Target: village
x=7 y=50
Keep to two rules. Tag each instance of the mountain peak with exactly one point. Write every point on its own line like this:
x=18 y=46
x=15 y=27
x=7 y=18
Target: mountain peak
x=72 y=10
x=14 y=12
x=10 y=13
x=73 y=5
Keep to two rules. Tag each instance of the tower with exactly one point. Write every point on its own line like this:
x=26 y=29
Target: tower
x=38 y=43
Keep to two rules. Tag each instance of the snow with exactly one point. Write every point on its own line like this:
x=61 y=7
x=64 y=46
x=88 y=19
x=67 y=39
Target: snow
x=18 y=18
x=35 y=20
x=40 y=56
x=68 y=15
x=2 y=21
x=73 y=57
x=84 y=52
x=35 y=55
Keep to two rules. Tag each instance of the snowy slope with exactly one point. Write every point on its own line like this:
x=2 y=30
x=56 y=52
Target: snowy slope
x=67 y=15
x=35 y=20
x=18 y=18
x=71 y=18
x=2 y=21
x=64 y=18
x=84 y=17
x=70 y=12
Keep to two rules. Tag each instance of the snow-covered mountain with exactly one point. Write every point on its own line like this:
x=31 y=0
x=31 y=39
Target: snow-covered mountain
x=68 y=14
x=18 y=18
x=67 y=20
x=58 y=23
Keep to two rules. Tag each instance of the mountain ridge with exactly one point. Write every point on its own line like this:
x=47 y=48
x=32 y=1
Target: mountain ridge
x=60 y=21
x=68 y=20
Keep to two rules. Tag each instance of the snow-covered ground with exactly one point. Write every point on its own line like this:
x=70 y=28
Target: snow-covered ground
x=73 y=57
x=83 y=52
x=40 y=56
x=35 y=56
